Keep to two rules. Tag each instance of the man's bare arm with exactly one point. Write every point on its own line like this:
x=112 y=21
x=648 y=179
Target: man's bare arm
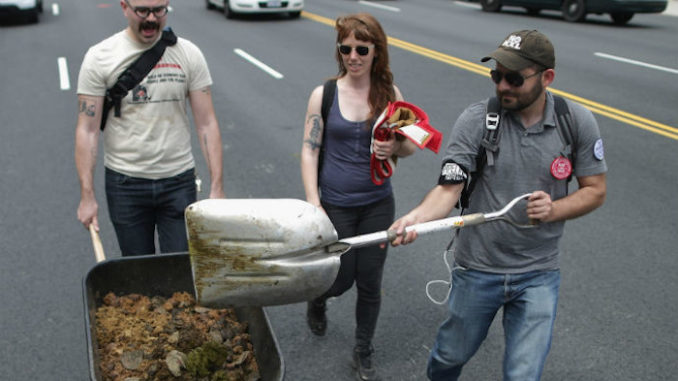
x=86 y=144
x=209 y=136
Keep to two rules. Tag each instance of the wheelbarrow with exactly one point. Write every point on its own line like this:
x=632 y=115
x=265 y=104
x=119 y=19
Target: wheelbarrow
x=163 y=275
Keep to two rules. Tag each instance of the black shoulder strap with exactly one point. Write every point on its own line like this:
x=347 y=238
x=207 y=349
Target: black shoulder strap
x=564 y=127
x=564 y=122
x=329 y=88
x=489 y=142
x=133 y=75
x=492 y=133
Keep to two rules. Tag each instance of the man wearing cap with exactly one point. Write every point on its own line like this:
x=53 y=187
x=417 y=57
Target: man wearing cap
x=497 y=265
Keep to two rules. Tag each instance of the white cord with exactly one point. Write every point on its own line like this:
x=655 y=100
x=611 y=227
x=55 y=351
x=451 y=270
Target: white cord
x=448 y=283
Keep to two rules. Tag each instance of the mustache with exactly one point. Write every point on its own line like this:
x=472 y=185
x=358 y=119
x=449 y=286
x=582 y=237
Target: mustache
x=149 y=25
x=504 y=93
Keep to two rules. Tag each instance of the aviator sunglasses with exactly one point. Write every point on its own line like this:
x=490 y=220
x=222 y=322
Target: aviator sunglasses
x=144 y=12
x=512 y=78
x=361 y=50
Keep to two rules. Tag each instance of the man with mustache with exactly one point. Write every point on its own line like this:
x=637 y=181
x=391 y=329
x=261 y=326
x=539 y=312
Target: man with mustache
x=497 y=265
x=150 y=170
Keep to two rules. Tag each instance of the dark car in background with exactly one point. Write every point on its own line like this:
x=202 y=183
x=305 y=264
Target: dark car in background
x=621 y=11
x=21 y=8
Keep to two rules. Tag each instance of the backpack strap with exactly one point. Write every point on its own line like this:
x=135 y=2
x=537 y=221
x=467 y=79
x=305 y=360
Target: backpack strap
x=564 y=125
x=329 y=89
x=489 y=142
x=134 y=74
x=491 y=135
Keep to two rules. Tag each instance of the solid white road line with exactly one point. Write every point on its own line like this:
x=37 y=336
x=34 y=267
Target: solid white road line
x=64 y=82
x=467 y=4
x=634 y=62
x=258 y=63
x=380 y=6
x=55 y=9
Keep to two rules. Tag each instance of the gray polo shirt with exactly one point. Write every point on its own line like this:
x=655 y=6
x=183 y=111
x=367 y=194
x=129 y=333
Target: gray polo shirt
x=522 y=165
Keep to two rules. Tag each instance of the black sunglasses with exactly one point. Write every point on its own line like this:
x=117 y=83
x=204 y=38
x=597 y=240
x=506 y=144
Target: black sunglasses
x=144 y=12
x=513 y=78
x=361 y=50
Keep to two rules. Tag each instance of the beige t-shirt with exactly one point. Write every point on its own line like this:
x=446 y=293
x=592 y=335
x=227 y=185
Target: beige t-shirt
x=151 y=138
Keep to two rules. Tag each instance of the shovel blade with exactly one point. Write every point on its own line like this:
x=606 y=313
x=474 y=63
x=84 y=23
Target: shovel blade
x=259 y=252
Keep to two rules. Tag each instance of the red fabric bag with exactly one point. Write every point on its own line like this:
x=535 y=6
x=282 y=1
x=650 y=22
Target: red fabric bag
x=409 y=121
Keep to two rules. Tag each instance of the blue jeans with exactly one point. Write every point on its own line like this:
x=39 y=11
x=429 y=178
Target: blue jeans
x=136 y=206
x=529 y=301
x=364 y=266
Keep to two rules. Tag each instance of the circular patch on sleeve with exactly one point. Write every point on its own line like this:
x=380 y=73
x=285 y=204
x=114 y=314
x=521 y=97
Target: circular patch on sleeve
x=598 y=151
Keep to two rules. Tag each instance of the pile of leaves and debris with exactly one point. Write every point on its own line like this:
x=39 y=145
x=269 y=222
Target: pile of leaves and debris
x=156 y=338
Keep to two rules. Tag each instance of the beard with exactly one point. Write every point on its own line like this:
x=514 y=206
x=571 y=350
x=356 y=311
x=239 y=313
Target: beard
x=519 y=100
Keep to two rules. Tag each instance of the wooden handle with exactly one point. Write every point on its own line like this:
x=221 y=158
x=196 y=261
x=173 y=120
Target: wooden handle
x=96 y=242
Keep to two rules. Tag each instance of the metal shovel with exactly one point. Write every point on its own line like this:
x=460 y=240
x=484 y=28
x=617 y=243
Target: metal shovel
x=262 y=252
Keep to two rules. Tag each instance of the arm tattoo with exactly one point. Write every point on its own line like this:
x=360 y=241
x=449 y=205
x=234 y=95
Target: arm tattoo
x=86 y=109
x=314 y=139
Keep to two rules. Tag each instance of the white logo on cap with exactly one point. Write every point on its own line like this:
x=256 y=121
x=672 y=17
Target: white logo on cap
x=512 y=42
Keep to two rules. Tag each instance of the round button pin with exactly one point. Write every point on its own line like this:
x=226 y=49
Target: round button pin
x=561 y=168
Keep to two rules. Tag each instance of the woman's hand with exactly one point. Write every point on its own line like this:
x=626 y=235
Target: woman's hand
x=384 y=149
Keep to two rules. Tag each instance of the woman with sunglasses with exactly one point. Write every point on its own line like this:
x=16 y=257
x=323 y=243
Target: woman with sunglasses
x=342 y=186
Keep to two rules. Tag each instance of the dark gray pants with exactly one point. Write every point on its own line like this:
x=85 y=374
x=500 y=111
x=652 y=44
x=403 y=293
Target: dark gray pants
x=364 y=266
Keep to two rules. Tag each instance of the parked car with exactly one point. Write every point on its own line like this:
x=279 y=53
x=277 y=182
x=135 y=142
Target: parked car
x=621 y=11
x=22 y=8
x=233 y=7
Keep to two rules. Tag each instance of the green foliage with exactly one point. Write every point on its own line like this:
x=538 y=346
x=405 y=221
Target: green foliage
x=207 y=358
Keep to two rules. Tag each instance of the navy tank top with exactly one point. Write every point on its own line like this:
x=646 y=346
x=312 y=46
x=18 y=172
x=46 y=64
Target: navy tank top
x=345 y=176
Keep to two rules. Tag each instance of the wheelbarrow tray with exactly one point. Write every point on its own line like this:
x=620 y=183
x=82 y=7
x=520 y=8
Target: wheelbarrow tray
x=163 y=275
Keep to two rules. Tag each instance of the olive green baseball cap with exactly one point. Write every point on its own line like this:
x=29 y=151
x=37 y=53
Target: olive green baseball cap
x=522 y=49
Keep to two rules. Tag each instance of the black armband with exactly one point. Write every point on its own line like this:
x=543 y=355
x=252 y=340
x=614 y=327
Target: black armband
x=452 y=173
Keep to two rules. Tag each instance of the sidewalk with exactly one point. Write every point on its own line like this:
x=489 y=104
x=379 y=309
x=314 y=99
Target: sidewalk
x=672 y=8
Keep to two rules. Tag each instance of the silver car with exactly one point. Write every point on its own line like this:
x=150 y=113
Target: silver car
x=233 y=7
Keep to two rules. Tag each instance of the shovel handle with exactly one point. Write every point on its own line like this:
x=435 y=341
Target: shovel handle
x=422 y=228
x=439 y=225
x=96 y=242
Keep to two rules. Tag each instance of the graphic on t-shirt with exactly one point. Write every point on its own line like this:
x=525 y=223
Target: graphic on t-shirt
x=140 y=94
x=157 y=84
x=179 y=77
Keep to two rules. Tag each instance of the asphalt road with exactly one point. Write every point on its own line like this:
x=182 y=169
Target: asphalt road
x=617 y=309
